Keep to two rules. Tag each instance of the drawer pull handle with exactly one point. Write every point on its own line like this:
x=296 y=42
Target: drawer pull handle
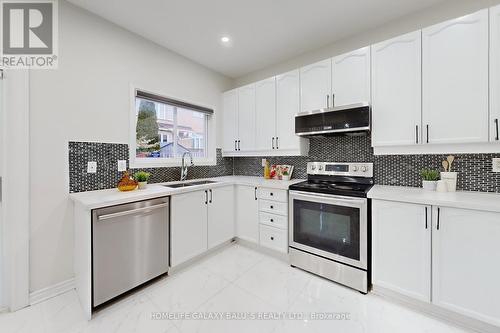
x=272 y=207
x=272 y=220
x=272 y=238
x=271 y=193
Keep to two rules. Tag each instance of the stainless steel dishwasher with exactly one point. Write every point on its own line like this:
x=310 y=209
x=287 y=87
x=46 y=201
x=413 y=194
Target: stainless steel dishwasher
x=130 y=246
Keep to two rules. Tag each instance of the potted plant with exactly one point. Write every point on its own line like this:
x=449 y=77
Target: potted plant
x=429 y=179
x=142 y=179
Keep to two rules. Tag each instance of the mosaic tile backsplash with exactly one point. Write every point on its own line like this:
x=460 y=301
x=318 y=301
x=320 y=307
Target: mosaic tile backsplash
x=474 y=169
x=107 y=176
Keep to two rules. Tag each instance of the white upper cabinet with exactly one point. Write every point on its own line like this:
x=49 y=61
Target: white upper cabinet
x=246 y=118
x=230 y=119
x=465 y=270
x=494 y=74
x=265 y=114
x=287 y=106
x=316 y=86
x=455 y=80
x=396 y=89
x=351 y=77
x=402 y=248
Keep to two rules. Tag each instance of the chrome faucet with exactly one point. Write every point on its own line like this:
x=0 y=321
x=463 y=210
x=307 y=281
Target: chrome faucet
x=184 y=167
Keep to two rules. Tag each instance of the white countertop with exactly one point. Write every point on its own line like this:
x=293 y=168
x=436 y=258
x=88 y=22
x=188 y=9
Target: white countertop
x=460 y=199
x=111 y=197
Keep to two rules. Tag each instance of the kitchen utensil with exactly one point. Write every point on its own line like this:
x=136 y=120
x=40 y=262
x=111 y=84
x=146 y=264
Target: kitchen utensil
x=445 y=165
x=442 y=186
x=450 y=160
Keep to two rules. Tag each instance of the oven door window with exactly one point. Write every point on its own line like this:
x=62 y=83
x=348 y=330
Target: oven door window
x=331 y=228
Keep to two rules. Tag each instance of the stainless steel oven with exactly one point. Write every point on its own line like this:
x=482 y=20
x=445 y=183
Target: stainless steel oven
x=330 y=226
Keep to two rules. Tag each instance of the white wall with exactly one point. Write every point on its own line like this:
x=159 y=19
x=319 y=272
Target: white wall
x=87 y=99
x=442 y=12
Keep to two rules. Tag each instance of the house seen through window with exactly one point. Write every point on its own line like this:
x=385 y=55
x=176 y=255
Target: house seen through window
x=167 y=128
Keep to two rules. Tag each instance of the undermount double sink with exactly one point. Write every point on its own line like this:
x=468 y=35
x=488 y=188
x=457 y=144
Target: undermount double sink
x=186 y=184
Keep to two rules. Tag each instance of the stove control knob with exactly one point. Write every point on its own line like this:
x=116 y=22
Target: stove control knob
x=320 y=167
x=313 y=167
x=364 y=168
x=355 y=168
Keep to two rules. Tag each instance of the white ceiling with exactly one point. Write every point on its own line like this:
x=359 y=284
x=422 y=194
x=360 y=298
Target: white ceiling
x=263 y=32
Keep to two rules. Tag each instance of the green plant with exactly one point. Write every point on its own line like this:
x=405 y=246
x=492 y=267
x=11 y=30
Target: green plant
x=429 y=174
x=142 y=176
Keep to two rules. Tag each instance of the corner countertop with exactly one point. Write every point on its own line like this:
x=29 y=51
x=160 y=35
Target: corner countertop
x=111 y=197
x=460 y=199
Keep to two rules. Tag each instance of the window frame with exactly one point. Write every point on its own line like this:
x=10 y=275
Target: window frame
x=159 y=162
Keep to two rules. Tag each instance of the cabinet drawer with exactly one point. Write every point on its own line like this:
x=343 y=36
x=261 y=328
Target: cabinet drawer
x=273 y=238
x=273 y=220
x=273 y=194
x=273 y=207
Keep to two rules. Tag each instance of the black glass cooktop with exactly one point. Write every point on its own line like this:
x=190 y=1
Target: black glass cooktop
x=352 y=189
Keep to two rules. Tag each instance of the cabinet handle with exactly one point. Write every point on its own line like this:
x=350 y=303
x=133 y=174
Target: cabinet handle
x=206 y=197
x=333 y=100
x=427 y=127
x=210 y=195
x=496 y=126
x=239 y=147
x=416 y=133
x=425 y=217
x=438 y=218
x=273 y=142
x=256 y=193
x=272 y=207
x=327 y=101
x=272 y=238
x=277 y=144
x=235 y=144
x=271 y=194
x=272 y=220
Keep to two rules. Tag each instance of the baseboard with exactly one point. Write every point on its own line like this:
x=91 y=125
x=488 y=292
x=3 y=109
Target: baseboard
x=264 y=250
x=51 y=291
x=3 y=309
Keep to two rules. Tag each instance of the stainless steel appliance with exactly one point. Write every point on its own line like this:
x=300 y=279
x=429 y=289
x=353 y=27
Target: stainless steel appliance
x=330 y=222
x=130 y=246
x=336 y=120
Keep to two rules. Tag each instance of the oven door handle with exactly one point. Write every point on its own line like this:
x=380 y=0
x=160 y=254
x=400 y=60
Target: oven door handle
x=334 y=198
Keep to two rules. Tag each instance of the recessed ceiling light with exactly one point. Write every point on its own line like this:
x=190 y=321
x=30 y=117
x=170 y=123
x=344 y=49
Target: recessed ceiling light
x=225 y=39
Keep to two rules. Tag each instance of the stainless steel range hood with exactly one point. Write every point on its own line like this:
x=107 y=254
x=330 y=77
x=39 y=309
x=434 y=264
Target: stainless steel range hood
x=345 y=119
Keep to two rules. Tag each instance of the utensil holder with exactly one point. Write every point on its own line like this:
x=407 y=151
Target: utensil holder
x=451 y=180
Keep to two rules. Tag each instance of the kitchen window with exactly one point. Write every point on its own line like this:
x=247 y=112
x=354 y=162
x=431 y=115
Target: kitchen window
x=163 y=129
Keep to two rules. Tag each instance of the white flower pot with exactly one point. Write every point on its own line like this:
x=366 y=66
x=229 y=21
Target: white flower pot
x=429 y=185
x=285 y=177
x=142 y=185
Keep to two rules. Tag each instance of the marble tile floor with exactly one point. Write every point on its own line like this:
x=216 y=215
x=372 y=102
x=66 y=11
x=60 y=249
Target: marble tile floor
x=256 y=292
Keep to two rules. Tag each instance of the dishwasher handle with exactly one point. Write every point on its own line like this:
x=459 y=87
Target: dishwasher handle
x=132 y=211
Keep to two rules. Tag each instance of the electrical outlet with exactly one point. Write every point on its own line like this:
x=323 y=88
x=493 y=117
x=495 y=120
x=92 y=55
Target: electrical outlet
x=92 y=167
x=122 y=165
x=264 y=161
x=496 y=164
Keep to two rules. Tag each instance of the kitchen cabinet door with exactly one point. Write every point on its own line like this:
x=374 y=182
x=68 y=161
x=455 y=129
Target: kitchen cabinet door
x=494 y=74
x=397 y=91
x=265 y=114
x=401 y=238
x=316 y=86
x=188 y=229
x=220 y=215
x=465 y=270
x=287 y=106
x=247 y=213
x=351 y=77
x=230 y=119
x=455 y=80
x=246 y=118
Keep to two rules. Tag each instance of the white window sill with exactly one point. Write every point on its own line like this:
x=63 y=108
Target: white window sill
x=177 y=162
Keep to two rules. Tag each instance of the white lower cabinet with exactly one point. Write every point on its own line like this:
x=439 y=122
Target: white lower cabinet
x=200 y=220
x=273 y=238
x=452 y=264
x=247 y=213
x=465 y=266
x=402 y=248
x=273 y=219
x=188 y=226
x=220 y=215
